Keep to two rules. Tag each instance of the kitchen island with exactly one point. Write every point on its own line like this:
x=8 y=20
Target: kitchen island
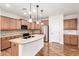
x=27 y=47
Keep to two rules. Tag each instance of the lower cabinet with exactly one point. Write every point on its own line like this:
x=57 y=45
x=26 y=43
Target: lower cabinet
x=5 y=43
x=71 y=39
x=67 y=39
x=14 y=48
x=0 y=44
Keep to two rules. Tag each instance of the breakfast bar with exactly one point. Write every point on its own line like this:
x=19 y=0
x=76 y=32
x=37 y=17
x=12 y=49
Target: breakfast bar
x=27 y=47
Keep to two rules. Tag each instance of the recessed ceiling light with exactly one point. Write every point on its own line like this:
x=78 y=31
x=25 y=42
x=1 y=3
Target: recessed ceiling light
x=25 y=13
x=8 y=5
x=34 y=10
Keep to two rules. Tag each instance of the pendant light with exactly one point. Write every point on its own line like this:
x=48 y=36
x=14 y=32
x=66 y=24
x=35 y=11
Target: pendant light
x=41 y=18
x=30 y=20
x=37 y=22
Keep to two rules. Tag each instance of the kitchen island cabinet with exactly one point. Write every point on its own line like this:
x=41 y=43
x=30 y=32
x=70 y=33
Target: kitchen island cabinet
x=27 y=47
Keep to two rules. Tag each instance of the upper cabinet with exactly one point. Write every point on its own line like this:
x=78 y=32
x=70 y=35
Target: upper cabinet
x=45 y=22
x=38 y=26
x=4 y=21
x=18 y=24
x=13 y=24
x=70 y=24
x=23 y=22
x=7 y=23
x=32 y=26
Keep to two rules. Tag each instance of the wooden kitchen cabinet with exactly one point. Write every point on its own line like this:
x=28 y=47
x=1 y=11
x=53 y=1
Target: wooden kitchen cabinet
x=33 y=25
x=7 y=23
x=37 y=26
x=71 y=39
x=18 y=24
x=66 y=39
x=29 y=25
x=0 y=44
x=73 y=24
x=78 y=40
x=13 y=24
x=66 y=24
x=4 y=21
x=45 y=22
x=70 y=24
x=0 y=22
x=74 y=40
x=15 y=50
x=23 y=22
x=5 y=43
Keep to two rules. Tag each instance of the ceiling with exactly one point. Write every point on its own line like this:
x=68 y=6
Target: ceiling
x=49 y=9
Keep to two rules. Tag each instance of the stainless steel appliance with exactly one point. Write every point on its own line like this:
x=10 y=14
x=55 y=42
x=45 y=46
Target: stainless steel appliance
x=24 y=27
x=27 y=35
x=45 y=31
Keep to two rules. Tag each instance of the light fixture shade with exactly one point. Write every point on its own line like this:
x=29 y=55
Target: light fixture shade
x=37 y=22
x=30 y=20
x=42 y=23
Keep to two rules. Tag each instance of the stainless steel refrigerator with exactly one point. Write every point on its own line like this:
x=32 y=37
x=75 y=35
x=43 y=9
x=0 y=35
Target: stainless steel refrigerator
x=45 y=31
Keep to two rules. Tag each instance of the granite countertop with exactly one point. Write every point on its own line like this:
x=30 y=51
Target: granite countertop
x=2 y=36
x=28 y=40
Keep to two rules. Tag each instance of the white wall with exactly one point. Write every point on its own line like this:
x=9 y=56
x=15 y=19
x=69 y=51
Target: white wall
x=70 y=16
x=56 y=29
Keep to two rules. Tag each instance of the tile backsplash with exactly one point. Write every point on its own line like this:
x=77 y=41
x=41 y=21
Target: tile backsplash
x=72 y=32
x=12 y=33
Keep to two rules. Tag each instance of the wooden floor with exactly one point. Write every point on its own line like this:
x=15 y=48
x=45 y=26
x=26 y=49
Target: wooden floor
x=51 y=49
x=55 y=49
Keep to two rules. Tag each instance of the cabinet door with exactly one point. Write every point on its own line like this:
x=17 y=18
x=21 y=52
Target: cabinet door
x=0 y=44
x=78 y=40
x=14 y=48
x=0 y=22
x=13 y=24
x=73 y=24
x=74 y=40
x=24 y=22
x=29 y=25
x=4 y=23
x=67 y=39
x=37 y=26
x=45 y=22
x=18 y=24
x=66 y=24
x=5 y=43
x=32 y=25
